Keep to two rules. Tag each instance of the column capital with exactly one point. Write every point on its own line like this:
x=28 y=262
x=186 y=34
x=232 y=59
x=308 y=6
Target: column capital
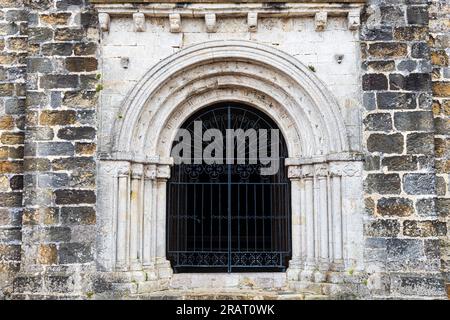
x=150 y=171
x=137 y=170
x=346 y=168
x=163 y=172
x=294 y=172
x=321 y=170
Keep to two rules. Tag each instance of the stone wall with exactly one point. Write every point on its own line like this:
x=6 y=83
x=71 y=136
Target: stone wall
x=439 y=47
x=49 y=87
x=13 y=46
x=59 y=167
x=404 y=228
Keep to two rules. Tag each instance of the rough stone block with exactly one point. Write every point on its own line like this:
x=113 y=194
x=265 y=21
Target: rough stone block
x=414 y=121
x=385 y=143
x=74 y=197
x=382 y=228
x=55 y=149
x=81 y=64
x=57 y=81
x=75 y=253
x=400 y=163
x=375 y=82
x=395 y=207
x=378 y=122
x=77 y=133
x=420 y=143
x=429 y=228
x=419 y=183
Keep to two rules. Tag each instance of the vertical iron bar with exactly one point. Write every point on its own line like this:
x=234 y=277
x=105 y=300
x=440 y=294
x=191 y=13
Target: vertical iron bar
x=229 y=199
x=195 y=217
x=185 y=218
x=238 y=218
x=203 y=207
x=255 y=226
x=263 y=218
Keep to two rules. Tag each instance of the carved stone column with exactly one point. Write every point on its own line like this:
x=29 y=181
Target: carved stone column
x=162 y=264
x=122 y=220
x=136 y=216
x=149 y=222
x=310 y=252
x=296 y=263
x=321 y=220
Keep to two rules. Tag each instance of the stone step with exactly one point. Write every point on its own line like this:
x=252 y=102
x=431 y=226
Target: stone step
x=231 y=295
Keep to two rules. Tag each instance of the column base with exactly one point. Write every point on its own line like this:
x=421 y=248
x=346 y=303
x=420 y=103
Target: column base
x=163 y=268
x=294 y=270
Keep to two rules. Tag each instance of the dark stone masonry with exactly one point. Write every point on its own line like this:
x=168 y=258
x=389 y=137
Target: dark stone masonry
x=50 y=84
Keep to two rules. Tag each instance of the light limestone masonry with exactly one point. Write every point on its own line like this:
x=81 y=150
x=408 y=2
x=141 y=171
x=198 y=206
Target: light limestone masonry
x=301 y=68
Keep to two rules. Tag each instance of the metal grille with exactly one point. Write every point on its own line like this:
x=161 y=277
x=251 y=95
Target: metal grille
x=229 y=217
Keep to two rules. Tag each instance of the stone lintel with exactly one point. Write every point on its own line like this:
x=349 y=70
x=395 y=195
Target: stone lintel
x=200 y=10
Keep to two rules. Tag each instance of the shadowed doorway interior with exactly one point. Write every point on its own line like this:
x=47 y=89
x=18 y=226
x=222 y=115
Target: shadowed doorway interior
x=229 y=217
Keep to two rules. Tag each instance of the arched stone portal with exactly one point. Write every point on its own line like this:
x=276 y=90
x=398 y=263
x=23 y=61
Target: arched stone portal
x=325 y=175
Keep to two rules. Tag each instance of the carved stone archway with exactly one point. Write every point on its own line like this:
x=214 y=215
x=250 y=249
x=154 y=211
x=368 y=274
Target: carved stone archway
x=326 y=176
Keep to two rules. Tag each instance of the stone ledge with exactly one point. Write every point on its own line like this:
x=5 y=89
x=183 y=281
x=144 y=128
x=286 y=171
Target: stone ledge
x=228 y=1
x=228 y=9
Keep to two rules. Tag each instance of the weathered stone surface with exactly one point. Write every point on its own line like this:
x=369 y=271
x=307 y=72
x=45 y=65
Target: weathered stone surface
x=371 y=163
x=80 y=99
x=420 y=50
x=59 y=81
x=420 y=143
x=383 y=183
x=57 y=49
x=55 y=18
x=85 y=48
x=50 y=117
x=407 y=255
x=76 y=163
x=441 y=89
x=375 y=82
x=382 y=33
x=27 y=284
x=78 y=215
x=400 y=163
x=400 y=207
x=53 y=180
x=381 y=66
x=417 y=15
x=37 y=35
x=85 y=149
x=77 y=133
x=414 y=121
x=411 y=33
x=386 y=143
x=76 y=64
x=75 y=253
x=378 y=122
x=393 y=100
x=55 y=149
x=419 y=183
x=69 y=34
x=442 y=125
x=382 y=228
x=426 y=207
x=431 y=228
x=418 y=82
x=418 y=285
x=74 y=197
x=388 y=49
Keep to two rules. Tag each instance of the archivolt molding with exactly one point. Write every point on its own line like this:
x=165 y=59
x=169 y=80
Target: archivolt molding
x=302 y=101
x=326 y=185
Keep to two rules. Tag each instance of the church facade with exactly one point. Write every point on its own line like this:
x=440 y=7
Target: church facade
x=95 y=205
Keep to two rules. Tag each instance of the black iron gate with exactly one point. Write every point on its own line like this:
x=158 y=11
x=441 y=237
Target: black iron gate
x=229 y=217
